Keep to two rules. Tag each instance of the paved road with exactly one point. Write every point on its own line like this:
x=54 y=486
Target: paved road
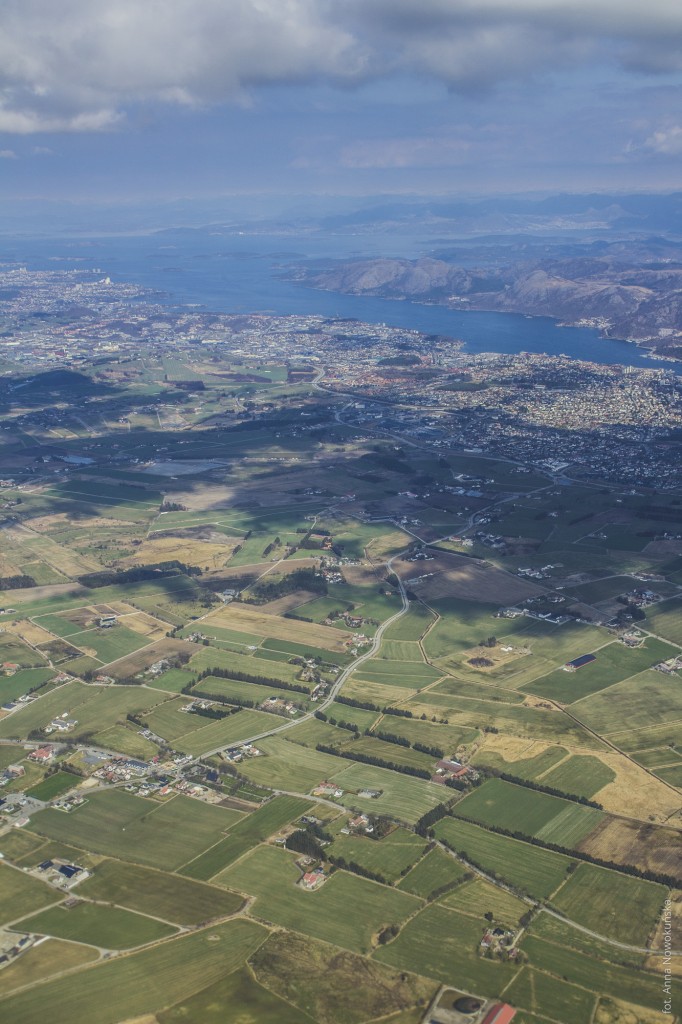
x=336 y=687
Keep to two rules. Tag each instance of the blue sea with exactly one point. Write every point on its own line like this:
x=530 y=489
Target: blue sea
x=247 y=273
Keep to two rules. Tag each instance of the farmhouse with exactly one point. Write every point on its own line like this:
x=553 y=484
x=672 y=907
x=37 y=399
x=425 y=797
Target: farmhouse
x=313 y=879
x=42 y=755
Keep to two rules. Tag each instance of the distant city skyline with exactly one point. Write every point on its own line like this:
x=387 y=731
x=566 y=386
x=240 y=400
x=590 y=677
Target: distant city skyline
x=126 y=101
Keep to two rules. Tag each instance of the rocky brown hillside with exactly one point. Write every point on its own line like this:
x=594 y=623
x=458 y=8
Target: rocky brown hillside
x=641 y=303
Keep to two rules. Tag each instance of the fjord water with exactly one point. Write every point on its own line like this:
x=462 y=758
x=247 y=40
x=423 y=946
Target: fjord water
x=248 y=273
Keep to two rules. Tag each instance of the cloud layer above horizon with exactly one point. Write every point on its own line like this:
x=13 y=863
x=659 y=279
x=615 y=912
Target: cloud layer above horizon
x=77 y=65
x=84 y=67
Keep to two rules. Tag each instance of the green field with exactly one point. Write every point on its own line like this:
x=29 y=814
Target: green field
x=436 y=870
x=614 y=663
x=229 y=688
x=17 y=844
x=158 y=893
x=21 y=895
x=114 y=823
x=402 y=797
x=550 y=997
x=647 y=699
x=109 y=927
x=94 y=708
x=390 y=857
x=453 y=957
x=614 y=905
x=141 y=983
x=289 y=766
x=480 y=897
x=43 y=961
x=53 y=786
x=411 y=626
x=530 y=868
x=592 y=973
x=22 y=681
x=665 y=619
x=252 y=829
x=517 y=809
x=230 y=730
x=563 y=933
x=236 y=990
x=409 y=674
x=330 y=913
x=209 y=657
x=579 y=775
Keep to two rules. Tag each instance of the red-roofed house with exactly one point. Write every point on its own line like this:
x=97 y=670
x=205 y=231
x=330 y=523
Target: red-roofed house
x=312 y=879
x=501 y=1013
x=43 y=754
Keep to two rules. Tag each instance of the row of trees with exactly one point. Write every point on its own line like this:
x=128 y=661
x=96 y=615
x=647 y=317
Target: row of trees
x=377 y=762
x=246 y=677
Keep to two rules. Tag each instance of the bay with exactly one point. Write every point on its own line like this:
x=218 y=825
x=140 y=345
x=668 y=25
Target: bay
x=248 y=273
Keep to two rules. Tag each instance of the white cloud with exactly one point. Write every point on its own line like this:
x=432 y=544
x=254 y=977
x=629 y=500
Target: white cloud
x=77 y=65
x=667 y=141
x=8 y=154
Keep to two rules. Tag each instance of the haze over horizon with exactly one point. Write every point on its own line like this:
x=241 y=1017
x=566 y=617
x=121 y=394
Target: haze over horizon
x=126 y=102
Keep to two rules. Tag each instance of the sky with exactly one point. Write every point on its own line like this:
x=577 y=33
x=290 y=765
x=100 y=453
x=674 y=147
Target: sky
x=133 y=101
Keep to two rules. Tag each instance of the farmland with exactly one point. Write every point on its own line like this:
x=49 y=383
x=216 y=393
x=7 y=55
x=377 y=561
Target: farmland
x=230 y=536
x=529 y=868
x=391 y=856
x=328 y=914
x=117 y=824
x=20 y=894
x=98 y=926
x=454 y=959
x=535 y=814
x=433 y=872
x=140 y=983
x=158 y=893
x=611 y=904
x=245 y=834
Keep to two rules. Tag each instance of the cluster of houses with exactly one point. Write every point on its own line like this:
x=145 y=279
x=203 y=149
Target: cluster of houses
x=121 y=769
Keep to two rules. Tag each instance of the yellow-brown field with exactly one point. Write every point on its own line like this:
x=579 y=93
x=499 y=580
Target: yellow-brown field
x=618 y=1012
x=62 y=520
x=7 y=567
x=239 y=617
x=146 y=625
x=659 y=938
x=647 y=846
x=131 y=664
x=635 y=792
x=28 y=631
x=287 y=603
x=206 y=554
x=28 y=545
